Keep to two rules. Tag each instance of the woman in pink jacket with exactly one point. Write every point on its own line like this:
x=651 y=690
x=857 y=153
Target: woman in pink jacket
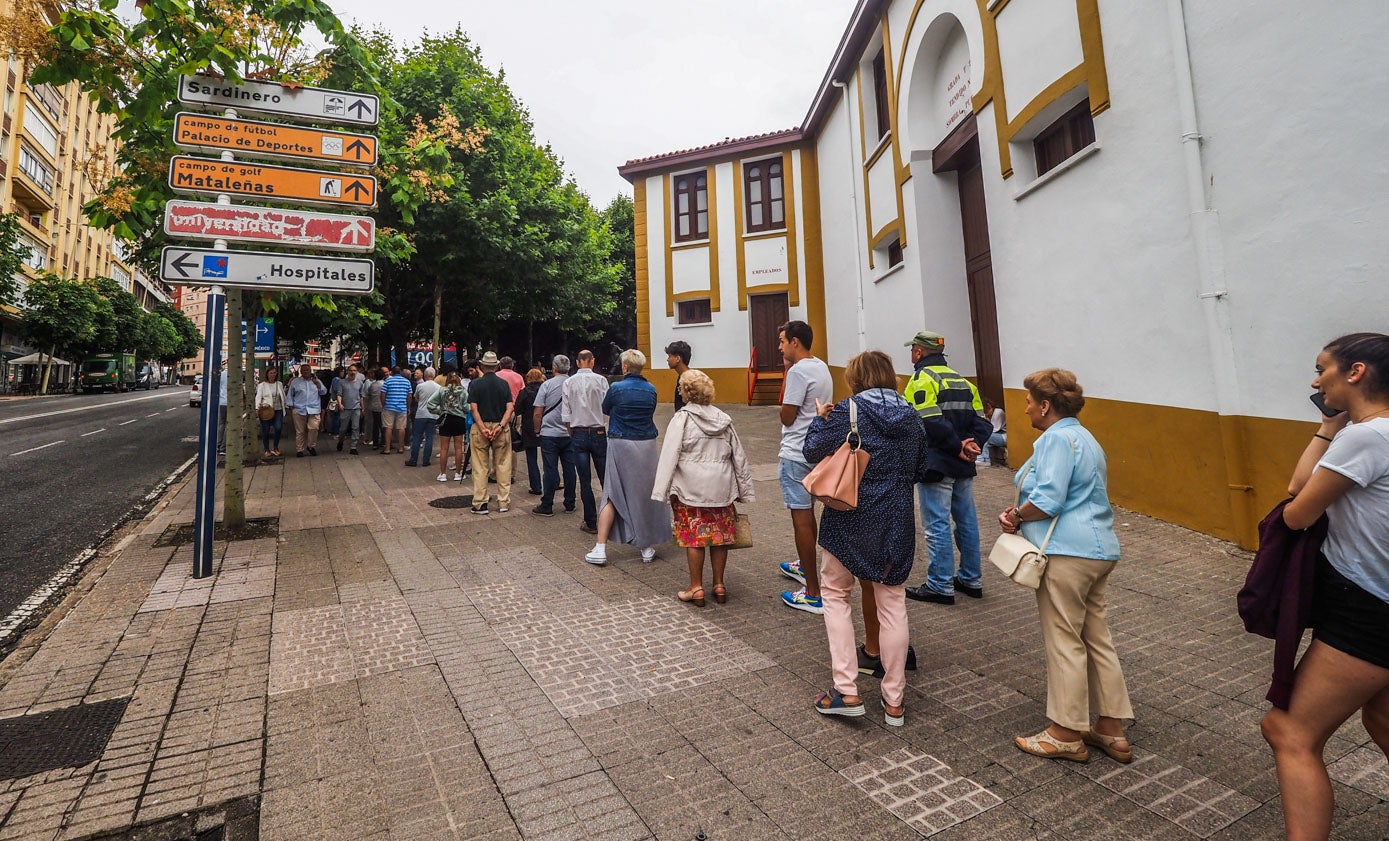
x=702 y=471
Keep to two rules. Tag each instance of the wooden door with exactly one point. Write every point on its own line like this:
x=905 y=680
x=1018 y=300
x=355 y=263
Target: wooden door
x=767 y=313
x=979 y=274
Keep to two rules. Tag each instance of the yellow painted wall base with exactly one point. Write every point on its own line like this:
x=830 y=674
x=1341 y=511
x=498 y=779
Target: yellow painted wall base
x=730 y=384
x=1170 y=463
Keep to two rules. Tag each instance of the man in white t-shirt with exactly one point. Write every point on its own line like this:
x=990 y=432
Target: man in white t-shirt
x=807 y=382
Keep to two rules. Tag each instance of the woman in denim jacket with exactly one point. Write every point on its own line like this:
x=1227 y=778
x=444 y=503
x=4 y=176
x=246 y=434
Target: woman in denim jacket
x=627 y=512
x=1066 y=478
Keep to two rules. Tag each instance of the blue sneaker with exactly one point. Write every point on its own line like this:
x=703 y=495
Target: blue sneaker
x=800 y=601
x=792 y=570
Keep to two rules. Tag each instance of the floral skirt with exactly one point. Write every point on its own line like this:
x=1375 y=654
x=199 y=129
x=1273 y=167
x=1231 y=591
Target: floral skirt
x=696 y=528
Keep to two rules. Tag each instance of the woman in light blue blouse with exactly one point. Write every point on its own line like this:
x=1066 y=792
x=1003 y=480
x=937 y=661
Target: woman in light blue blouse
x=1066 y=479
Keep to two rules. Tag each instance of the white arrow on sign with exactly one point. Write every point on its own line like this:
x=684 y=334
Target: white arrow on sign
x=267 y=270
x=268 y=226
x=305 y=105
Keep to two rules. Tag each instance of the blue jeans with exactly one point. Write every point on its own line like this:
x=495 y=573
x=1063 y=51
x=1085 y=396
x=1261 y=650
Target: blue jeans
x=533 y=468
x=940 y=503
x=590 y=445
x=424 y=433
x=558 y=452
x=271 y=429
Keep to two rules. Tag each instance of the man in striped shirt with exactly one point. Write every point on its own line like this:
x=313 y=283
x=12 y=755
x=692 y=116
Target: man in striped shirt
x=395 y=403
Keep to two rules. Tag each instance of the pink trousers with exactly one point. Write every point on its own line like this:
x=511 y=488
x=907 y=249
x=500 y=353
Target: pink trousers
x=836 y=584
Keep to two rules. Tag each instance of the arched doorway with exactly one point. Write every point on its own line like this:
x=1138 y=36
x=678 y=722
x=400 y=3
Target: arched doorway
x=951 y=213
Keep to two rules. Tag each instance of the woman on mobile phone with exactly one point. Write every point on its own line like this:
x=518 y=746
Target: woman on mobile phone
x=1344 y=472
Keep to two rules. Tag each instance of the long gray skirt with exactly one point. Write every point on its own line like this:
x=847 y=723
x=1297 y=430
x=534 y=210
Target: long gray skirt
x=630 y=478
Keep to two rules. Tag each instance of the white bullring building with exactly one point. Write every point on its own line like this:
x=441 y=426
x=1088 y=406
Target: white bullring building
x=1180 y=200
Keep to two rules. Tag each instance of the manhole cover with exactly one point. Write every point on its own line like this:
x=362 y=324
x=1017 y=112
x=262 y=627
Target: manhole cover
x=63 y=738
x=464 y=501
x=255 y=529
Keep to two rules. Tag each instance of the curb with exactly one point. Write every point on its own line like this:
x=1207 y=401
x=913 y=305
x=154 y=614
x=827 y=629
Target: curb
x=31 y=611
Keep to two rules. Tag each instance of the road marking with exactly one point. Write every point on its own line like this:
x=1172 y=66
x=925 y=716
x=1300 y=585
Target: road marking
x=170 y=409
x=123 y=423
x=179 y=393
x=36 y=449
x=93 y=432
x=154 y=414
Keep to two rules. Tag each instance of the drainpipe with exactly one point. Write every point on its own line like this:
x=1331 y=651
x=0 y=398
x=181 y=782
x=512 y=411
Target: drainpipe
x=853 y=199
x=1210 y=271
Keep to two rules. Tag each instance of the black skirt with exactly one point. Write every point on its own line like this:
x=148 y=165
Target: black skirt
x=452 y=426
x=1349 y=619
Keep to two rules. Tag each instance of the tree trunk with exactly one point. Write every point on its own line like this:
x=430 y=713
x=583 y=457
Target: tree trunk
x=250 y=440
x=234 y=499
x=438 y=317
x=530 y=342
x=47 y=367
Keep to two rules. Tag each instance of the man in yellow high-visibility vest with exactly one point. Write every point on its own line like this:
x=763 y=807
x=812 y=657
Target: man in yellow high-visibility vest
x=942 y=396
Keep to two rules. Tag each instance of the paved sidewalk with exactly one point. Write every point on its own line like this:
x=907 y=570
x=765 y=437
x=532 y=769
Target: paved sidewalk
x=390 y=670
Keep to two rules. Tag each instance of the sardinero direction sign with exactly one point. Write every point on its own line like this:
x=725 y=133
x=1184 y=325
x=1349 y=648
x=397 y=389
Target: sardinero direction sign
x=271 y=140
x=268 y=226
x=313 y=105
x=267 y=270
x=264 y=181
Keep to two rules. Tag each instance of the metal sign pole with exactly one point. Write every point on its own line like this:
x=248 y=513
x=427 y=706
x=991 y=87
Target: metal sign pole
x=204 y=514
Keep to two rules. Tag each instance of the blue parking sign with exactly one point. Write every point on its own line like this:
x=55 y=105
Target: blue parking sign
x=214 y=265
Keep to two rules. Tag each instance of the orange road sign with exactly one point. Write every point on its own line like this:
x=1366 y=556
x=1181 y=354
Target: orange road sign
x=272 y=183
x=208 y=133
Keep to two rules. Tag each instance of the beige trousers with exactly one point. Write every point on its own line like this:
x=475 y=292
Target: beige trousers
x=499 y=449
x=1084 y=677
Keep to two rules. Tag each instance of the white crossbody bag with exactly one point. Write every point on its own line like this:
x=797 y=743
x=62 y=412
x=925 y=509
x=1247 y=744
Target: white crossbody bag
x=1016 y=556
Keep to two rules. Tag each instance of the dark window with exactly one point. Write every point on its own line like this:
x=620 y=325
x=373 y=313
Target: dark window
x=691 y=206
x=693 y=312
x=894 y=253
x=880 y=95
x=1063 y=138
x=766 y=210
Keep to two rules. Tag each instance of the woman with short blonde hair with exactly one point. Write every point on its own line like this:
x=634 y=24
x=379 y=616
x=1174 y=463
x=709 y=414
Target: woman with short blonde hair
x=703 y=471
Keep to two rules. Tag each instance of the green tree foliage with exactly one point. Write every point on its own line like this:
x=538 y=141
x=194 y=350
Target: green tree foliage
x=621 y=325
x=186 y=339
x=12 y=254
x=63 y=317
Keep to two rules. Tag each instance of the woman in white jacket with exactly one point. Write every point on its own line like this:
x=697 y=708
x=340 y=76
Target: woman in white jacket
x=702 y=471
x=270 y=392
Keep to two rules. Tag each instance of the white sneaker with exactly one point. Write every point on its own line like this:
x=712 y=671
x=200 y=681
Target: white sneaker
x=648 y=554
x=457 y=477
x=598 y=555
x=442 y=477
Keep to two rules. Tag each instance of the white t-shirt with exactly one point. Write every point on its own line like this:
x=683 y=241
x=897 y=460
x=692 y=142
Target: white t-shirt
x=1357 y=544
x=423 y=392
x=806 y=381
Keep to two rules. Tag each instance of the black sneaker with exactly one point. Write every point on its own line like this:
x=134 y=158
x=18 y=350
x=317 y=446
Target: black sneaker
x=352 y=452
x=339 y=445
x=972 y=592
x=543 y=510
x=299 y=454
x=926 y=594
x=873 y=666
x=480 y=509
x=313 y=451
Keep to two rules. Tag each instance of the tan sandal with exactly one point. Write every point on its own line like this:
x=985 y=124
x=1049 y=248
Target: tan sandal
x=696 y=596
x=1109 y=744
x=1048 y=746
x=720 y=593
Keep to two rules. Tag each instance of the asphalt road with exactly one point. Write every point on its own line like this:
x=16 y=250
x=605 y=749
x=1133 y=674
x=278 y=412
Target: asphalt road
x=71 y=467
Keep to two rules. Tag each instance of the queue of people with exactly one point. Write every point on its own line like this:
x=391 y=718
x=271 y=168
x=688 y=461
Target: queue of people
x=923 y=445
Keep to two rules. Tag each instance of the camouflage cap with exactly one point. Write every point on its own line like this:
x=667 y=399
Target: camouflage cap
x=929 y=341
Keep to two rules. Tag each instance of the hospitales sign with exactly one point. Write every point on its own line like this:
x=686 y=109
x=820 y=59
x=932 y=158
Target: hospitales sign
x=268 y=226
x=267 y=270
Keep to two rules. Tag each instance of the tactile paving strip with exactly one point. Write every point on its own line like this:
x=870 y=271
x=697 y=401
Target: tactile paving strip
x=968 y=693
x=921 y=790
x=65 y=738
x=1199 y=805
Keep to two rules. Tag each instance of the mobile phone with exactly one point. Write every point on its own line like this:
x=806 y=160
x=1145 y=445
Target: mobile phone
x=1319 y=400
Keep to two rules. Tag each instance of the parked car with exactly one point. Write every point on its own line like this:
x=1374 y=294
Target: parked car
x=195 y=397
x=150 y=375
x=108 y=371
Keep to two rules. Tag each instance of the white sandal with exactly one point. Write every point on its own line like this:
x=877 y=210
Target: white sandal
x=1048 y=746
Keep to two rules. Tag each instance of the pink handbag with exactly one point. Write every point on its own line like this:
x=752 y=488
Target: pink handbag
x=834 y=481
